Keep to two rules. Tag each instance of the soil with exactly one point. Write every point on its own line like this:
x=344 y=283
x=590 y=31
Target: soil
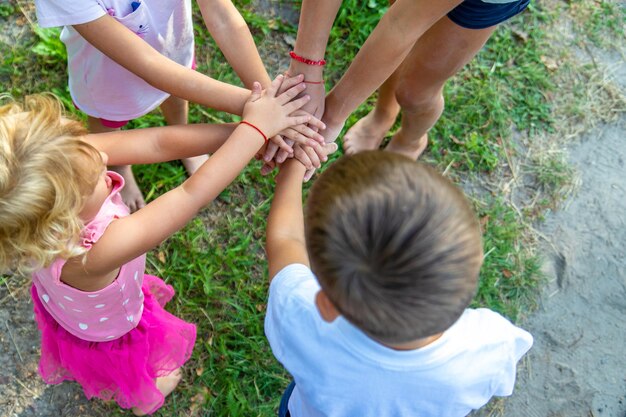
x=576 y=366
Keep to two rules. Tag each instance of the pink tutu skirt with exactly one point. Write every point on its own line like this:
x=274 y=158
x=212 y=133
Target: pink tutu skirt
x=124 y=369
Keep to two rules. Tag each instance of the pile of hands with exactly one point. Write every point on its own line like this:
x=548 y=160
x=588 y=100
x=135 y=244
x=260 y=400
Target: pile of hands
x=310 y=142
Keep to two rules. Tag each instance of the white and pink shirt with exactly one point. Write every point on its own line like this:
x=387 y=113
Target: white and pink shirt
x=99 y=86
x=102 y=315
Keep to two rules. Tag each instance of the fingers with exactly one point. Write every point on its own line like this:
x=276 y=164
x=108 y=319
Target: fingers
x=317 y=124
x=257 y=91
x=303 y=135
x=268 y=167
x=331 y=148
x=278 y=140
x=308 y=130
x=315 y=158
x=289 y=82
x=281 y=156
x=301 y=156
x=308 y=174
x=291 y=93
x=270 y=152
x=297 y=104
x=275 y=85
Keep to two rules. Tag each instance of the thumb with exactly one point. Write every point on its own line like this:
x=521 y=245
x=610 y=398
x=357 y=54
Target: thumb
x=331 y=148
x=256 y=91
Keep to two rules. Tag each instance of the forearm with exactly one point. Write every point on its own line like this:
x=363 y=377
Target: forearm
x=285 y=241
x=141 y=59
x=316 y=21
x=383 y=52
x=232 y=35
x=160 y=144
x=223 y=166
x=171 y=211
x=286 y=218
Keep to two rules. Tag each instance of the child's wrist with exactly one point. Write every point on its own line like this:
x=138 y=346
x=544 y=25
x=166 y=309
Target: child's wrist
x=332 y=111
x=316 y=62
x=291 y=167
x=310 y=72
x=255 y=127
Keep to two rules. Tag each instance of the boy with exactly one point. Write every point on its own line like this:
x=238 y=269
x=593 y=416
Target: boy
x=378 y=325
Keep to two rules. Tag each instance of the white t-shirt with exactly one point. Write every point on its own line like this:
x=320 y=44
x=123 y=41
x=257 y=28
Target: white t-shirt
x=341 y=372
x=99 y=86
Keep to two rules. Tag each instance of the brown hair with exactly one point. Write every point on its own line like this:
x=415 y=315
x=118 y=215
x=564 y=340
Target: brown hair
x=45 y=174
x=394 y=244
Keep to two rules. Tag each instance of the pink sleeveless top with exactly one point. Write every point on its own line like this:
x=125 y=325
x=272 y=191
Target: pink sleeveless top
x=102 y=315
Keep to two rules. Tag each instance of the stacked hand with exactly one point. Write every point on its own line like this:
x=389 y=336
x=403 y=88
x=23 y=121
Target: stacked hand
x=274 y=111
x=310 y=154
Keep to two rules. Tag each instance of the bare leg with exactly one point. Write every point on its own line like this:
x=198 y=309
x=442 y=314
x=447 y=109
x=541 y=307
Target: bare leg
x=439 y=54
x=369 y=132
x=175 y=110
x=166 y=384
x=131 y=194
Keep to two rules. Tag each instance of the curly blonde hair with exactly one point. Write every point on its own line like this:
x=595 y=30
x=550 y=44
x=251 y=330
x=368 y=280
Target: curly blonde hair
x=46 y=171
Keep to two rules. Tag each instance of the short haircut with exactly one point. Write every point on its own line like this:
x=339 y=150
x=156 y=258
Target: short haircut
x=46 y=171
x=394 y=244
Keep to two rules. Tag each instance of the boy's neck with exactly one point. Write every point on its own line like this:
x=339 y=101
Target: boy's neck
x=414 y=344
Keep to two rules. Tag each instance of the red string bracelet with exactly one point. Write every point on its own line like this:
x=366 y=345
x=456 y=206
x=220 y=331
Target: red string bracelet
x=307 y=61
x=307 y=82
x=255 y=128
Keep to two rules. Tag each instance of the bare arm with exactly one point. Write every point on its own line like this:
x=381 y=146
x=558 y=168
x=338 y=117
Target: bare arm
x=316 y=21
x=383 y=51
x=138 y=57
x=285 y=242
x=160 y=144
x=234 y=39
x=131 y=236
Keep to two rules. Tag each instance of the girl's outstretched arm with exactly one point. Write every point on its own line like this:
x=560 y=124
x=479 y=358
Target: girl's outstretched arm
x=131 y=236
x=233 y=37
x=160 y=144
x=127 y=49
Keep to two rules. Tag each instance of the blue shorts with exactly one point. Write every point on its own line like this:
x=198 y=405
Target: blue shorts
x=283 y=408
x=475 y=14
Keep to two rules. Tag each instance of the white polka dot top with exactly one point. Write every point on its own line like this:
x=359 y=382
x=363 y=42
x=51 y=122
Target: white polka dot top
x=102 y=315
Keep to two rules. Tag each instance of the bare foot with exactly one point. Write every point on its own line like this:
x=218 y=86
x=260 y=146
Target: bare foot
x=409 y=148
x=192 y=164
x=367 y=133
x=166 y=384
x=131 y=194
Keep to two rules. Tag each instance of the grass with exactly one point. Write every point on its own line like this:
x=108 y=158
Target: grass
x=216 y=263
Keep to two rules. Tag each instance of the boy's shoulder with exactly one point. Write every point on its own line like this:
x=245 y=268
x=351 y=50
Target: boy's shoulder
x=486 y=327
x=295 y=281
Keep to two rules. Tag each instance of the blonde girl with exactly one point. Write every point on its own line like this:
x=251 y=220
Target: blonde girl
x=62 y=219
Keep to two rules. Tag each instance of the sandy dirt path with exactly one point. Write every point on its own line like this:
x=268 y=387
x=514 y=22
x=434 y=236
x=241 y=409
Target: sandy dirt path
x=577 y=365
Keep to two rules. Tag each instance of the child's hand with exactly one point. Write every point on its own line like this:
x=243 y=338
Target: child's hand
x=304 y=134
x=271 y=113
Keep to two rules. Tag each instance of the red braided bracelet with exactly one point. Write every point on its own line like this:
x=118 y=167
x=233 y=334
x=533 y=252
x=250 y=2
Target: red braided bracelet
x=307 y=61
x=255 y=128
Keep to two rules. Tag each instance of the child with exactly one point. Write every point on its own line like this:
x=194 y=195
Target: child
x=125 y=58
x=377 y=325
x=62 y=218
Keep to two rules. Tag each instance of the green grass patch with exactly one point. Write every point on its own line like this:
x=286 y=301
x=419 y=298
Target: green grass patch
x=217 y=263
